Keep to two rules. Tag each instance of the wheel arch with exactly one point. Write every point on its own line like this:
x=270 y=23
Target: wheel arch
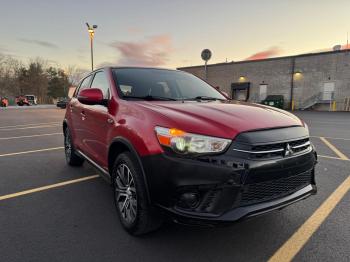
x=120 y=145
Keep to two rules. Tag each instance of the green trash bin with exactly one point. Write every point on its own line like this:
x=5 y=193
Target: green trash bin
x=274 y=100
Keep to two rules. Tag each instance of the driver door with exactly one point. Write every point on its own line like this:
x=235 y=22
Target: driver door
x=77 y=122
x=97 y=124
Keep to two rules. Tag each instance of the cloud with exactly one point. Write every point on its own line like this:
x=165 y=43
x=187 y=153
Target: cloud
x=134 y=30
x=38 y=42
x=4 y=50
x=267 y=53
x=105 y=64
x=153 y=51
x=83 y=58
x=345 y=47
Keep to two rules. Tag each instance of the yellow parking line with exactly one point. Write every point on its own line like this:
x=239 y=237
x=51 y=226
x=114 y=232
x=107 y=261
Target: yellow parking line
x=17 y=137
x=295 y=243
x=43 y=188
x=333 y=157
x=335 y=138
x=330 y=157
x=32 y=151
x=33 y=124
x=28 y=127
x=334 y=149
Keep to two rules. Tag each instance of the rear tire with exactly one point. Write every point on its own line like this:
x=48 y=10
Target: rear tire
x=130 y=196
x=72 y=158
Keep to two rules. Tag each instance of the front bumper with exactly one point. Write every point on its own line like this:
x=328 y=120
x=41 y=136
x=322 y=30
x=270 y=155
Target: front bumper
x=241 y=212
x=226 y=188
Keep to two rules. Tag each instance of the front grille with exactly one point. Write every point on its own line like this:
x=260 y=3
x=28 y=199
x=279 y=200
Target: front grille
x=275 y=150
x=268 y=147
x=268 y=190
x=300 y=145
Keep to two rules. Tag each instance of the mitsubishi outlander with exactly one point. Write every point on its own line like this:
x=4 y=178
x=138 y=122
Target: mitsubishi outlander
x=173 y=146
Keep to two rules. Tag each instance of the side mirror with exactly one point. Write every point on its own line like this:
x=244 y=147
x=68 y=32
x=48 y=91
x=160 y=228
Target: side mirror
x=91 y=96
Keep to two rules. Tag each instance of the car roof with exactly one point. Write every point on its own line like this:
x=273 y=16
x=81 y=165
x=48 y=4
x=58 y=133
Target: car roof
x=133 y=67
x=128 y=67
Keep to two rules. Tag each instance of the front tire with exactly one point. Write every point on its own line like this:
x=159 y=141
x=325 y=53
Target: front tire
x=130 y=196
x=72 y=158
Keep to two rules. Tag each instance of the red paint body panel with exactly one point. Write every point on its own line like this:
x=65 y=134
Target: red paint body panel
x=95 y=141
x=220 y=119
x=91 y=96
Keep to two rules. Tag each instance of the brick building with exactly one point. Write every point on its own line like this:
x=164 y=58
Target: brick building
x=312 y=80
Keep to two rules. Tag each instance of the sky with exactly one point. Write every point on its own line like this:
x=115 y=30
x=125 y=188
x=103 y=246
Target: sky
x=169 y=33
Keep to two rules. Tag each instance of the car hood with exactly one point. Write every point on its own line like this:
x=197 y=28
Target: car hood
x=220 y=119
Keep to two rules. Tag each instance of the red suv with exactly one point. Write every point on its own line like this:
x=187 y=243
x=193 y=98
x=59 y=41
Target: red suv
x=173 y=146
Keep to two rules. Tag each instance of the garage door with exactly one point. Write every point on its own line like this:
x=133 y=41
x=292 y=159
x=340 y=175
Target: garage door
x=328 y=91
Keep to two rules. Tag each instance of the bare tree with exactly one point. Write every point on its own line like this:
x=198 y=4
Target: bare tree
x=75 y=74
x=36 y=78
x=8 y=71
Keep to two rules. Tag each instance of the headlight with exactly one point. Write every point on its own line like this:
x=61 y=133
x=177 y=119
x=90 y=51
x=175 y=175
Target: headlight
x=187 y=143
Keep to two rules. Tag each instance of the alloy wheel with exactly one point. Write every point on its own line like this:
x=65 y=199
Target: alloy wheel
x=67 y=145
x=125 y=193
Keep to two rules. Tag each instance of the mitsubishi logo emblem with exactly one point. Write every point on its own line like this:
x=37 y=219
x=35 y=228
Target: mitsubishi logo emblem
x=288 y=151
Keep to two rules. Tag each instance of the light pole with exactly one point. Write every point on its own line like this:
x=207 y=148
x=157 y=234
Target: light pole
x=91 y=31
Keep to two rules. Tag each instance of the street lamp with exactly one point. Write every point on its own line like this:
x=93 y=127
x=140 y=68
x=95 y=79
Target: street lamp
x=91 y=31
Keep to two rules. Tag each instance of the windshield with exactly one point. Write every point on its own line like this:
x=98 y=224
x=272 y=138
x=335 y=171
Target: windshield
x=160 y=84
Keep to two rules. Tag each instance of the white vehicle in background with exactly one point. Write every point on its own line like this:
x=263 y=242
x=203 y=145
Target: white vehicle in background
x=32 y=99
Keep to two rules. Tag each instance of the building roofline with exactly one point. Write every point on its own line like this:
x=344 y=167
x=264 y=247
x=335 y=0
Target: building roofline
x=267 y=59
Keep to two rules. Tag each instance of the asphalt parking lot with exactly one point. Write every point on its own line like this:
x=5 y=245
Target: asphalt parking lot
x=49 y=211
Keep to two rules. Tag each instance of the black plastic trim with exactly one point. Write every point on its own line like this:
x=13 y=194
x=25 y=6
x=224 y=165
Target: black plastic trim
x=104 y=173
x=131 y=148
x=272 y=135
x=241 y=212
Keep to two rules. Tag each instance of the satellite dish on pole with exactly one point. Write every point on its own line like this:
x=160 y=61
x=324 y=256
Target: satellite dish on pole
x=337 y=48
x=206 y=55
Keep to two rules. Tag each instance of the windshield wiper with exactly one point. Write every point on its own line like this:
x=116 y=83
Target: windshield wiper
x=152 y=98
x=207 y=98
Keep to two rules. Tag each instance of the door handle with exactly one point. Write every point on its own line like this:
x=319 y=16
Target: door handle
x=110 y=121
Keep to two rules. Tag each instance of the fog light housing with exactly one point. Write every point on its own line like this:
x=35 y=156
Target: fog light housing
x=189 y=200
